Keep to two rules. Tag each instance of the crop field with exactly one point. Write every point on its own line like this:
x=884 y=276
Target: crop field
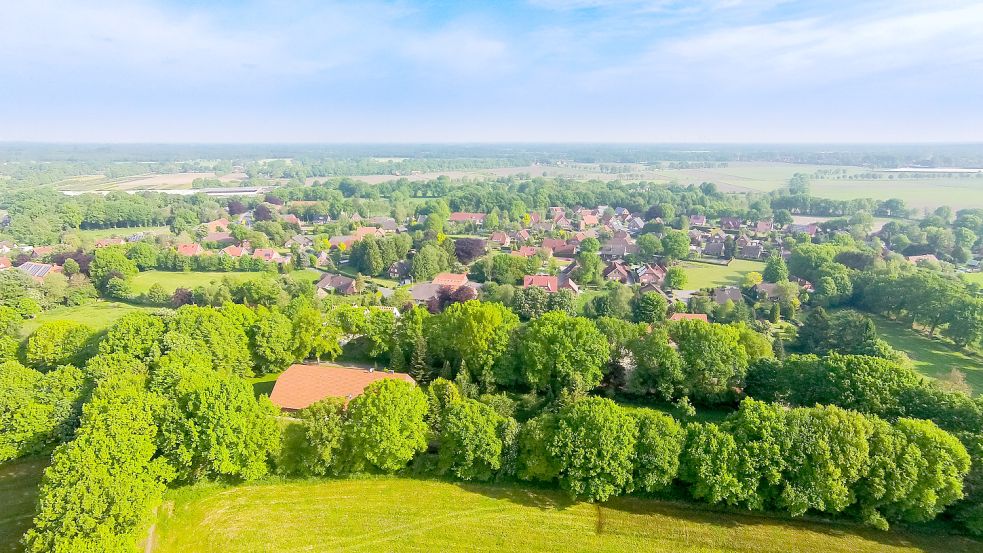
x=122 y=232
x=97 y=314
x=705 y=275
x=19 y=491
x=150 y=181
x=403 y=515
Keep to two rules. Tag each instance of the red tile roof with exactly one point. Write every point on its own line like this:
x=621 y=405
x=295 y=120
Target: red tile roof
x=189 y=249
x=302 y=385
x=547 y=282
x=689 y=316
x=450 y=279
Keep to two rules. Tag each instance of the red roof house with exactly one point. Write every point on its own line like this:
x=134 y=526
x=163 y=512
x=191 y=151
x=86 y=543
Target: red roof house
x=301 y=385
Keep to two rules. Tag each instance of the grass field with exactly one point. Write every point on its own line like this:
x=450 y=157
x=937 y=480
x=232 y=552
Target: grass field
x=98 y=314
x=96 y=234
x=172 y=280
x=704 y=275
x=932 y=358
x=402 y=515
x=18 y=492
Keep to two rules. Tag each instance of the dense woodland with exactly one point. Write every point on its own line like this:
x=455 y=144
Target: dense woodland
x=822 y=417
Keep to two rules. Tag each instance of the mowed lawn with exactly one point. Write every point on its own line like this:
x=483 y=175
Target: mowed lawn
x=122 y=232
x=931 y=358
x=404 y=515
x=98 y=314
x=705 y=275
x=18 y=495
x=172 y=280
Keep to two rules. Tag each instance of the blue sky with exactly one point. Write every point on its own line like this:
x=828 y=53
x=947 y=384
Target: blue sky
x=538 y=70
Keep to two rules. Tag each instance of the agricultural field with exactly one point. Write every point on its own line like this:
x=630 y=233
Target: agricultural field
x=402 y=515
x=19 y=489
x=705 y=275
x=932 y=358
x=98 y=234
x=98 y=314
x=150 y=181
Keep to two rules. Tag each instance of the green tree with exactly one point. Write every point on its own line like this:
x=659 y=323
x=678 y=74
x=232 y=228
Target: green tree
x=475 y=333
x=273 y=336
x=710 y=465
x=650 y=307
x=214 y=333
x=657 y=450
x=594 y=445
x=37 y=410
x=560 y=352
x=675 y=245
x=57 y=343
x=713 y=358
x=675 y=278
x=658 y=366
x=775 y=269
x=470 y=447
x=429 y=261
x=108 y=263
x=385 y=427
x=323 y=424
x=138 y=334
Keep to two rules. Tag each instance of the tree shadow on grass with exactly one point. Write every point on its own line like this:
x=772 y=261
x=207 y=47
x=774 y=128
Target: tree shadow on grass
x=521 y=494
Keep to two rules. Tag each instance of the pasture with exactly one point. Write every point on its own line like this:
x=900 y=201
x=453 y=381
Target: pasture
x=705 y=275
x=172 y=280
x=404 y=515
x=123 y=232
x=98 y=314
x=19 y=482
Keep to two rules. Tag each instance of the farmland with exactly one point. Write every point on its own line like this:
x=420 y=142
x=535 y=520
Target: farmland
x=706 y=275
x=395 y=514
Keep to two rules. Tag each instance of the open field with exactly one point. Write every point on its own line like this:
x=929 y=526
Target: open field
x=122 y=232
x=705 y=275
x=956 y=192
x=150 y=181
x=401 y=515
x=172 y=280
x=932 y=358
x=19 y=490
x=98 y=314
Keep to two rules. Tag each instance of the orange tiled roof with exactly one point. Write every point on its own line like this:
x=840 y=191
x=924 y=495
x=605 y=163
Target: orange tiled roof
x=302 y=385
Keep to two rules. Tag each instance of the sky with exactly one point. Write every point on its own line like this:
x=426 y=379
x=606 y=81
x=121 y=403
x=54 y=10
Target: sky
x=653 y=71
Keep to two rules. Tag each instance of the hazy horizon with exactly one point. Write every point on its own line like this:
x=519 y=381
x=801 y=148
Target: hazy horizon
x=518 y=72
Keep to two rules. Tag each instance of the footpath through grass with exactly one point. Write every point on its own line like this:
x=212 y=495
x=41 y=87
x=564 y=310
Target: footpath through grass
x=403 y=515
x=19 y=482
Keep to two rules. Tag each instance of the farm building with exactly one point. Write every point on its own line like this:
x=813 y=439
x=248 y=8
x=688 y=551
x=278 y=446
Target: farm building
x=301 y=385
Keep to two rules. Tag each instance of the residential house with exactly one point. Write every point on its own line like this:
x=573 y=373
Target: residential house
x=218 y=225
x=301 y=241
x=5 y=263
x=38 y=271
x=234 y=251
x=270 y=255
x=291 y=219
x=386 y=224
x=650 y=273
x=467 y=217
x=339 y=284
x=400 y=271
x=689 y=317
x=722 y=294
x=811 y=229
x=618 y=272
x=550 y=283
x=453 y=280
x=730 y=223
x=526 y=251
x=39 y=252
x=302 y=385
x=697 y=220
x=714 y=248
x=219 y=238
x=766 y=290
x=763 y=227
x=106 y=242
x=501 y=238
x=753 y=250
x=190 y=250
x=523 y=235
x=324 y=260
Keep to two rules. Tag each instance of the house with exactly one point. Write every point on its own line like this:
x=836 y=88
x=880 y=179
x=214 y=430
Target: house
x=763 y=227
x=233 y=251
x=546 y=282
x=400 y=270
x=339 y=284
x=810 y=229
x=38 y=271
x=766 y=290
x=534 y=217
x=500 y=238
x=386 y=224
x=556 y=212
x=650 y=273
x=218 y=238
x=618 y=272
x=190 y=250
x=218 y=225
x=363 y=232
x=730 y=223
x=722 y=294
x=697 y=220
x=553 y=243
x=454 y=280
x=269 y=255
x=526 y=251
x=714 y=249
x=324 y=260
x=301 y=385
x=927 y=258
x=39 y=252
x=292 y=219
x=106 y=242
x=301 y=241
x=753 y=250
x=523 y=235
x=543 y=226
x=467 y=217
x=588 y=220
x=689 y=317
x=5 y=263
x=424 y=292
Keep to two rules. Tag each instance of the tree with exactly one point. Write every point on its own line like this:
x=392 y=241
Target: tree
x=649 y=307
x=70 y=267
x=713 y=358
x=675 y=245
x=470 y=447
x=594 y=444
x=783 y=217
x=537 y=459
x=108 y=263
x=775 y=269
x=138 y=334
x=322 y=423
x=385 y=427
x=589 y=267
x=313 y=336
x=476 y=333
x=429 y=261
x=675 y=278
x=273 y=341
x=658 y=367
x=709 y=464
x=751 y=280
x=157 y=295
x=57 y=343
x=212 y=426
x=143 y=255
x=649 y=245
x=224 y=341
x=102 y=485
x=468 y=249
x=657 y=450
x=560 y=352
x=37 y=410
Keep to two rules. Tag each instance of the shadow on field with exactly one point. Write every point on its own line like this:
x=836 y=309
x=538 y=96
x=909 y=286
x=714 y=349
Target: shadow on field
x=527 y=496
